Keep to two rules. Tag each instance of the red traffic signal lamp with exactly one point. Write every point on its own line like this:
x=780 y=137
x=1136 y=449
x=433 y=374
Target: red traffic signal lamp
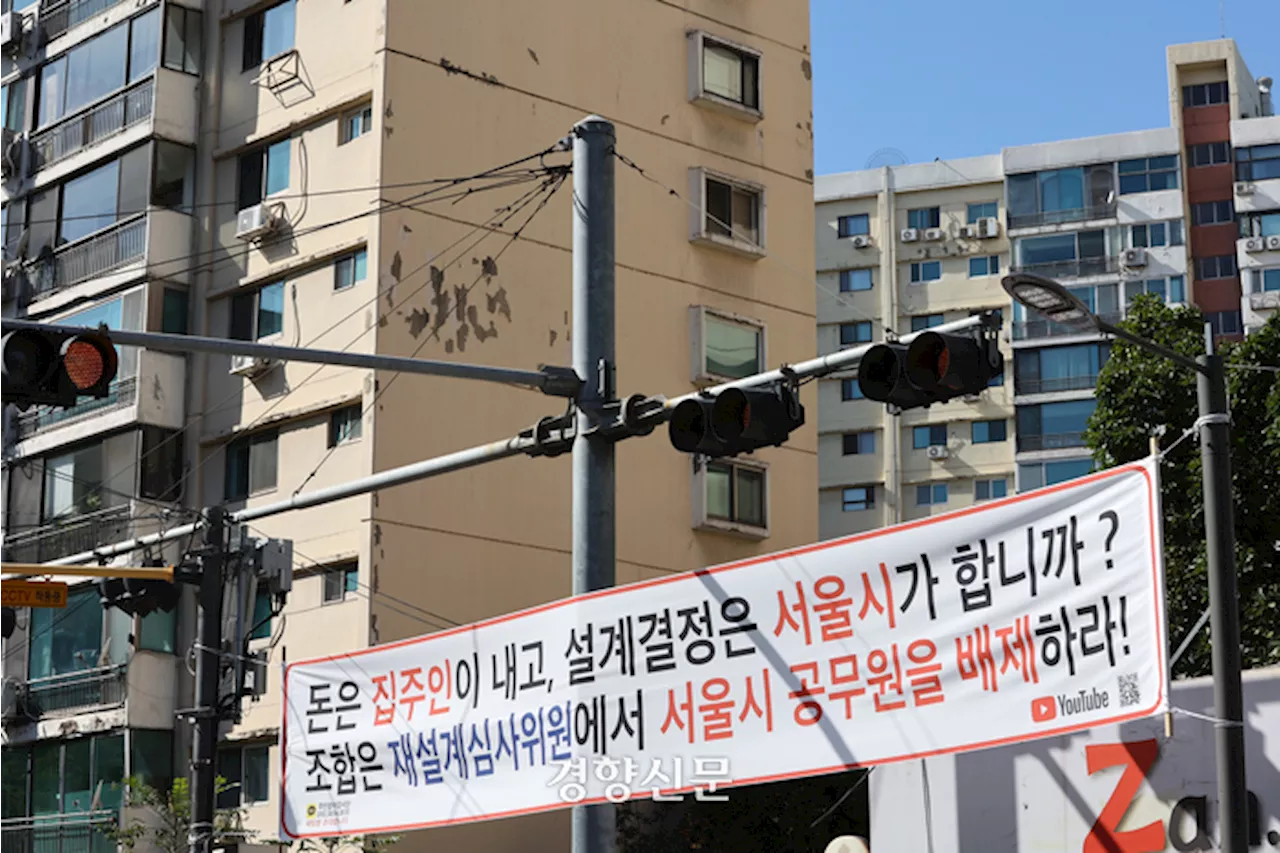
x=935 y=368
x=57 y=368
x=737 y=420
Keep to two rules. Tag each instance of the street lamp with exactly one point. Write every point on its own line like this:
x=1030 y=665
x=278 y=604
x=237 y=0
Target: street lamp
x=1059 y=305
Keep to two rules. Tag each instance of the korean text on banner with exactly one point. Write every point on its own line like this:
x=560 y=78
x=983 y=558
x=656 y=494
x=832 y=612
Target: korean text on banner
x=1011 y=620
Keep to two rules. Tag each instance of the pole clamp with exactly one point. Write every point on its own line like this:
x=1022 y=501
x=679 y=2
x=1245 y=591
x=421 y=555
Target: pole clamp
x=1210 y=419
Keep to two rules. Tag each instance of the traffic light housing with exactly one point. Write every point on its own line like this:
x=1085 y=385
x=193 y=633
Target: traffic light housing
x=935 y=368
x=737 y=420
x=138 y=597
x=57 y=368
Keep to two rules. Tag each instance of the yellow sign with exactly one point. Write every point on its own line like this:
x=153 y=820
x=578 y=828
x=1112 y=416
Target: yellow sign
x=34 y=594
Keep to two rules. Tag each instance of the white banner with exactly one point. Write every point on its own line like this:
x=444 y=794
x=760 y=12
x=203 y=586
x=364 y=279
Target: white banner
x=1011 y=620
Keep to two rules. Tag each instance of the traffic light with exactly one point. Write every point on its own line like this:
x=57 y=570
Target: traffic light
x=737 y=420
x=136 y=596
x=935 y=368
x=57 y=368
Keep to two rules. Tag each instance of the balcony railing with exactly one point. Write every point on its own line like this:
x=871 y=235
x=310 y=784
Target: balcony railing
x=59 y=833
x=123 y=392
x=1057 y=217
x=69 y=536
x=71 y=263
x=1050 y=441
x=1031 y=329
x=1077 y=268
x=1057 y=383
x=94 y=124
x=62 y=695
x=58 y=17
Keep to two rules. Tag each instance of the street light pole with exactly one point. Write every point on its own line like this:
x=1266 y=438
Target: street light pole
x=1059 y=305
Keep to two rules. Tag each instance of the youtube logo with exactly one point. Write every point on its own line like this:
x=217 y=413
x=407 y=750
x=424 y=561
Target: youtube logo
x=1043 y=709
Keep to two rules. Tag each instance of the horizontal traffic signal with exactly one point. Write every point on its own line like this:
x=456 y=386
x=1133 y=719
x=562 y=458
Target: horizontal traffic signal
x=737 y=420
x=935 y=368
x=138 y=597
x=57 y=368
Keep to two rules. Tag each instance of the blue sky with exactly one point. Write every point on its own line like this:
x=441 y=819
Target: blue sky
x=941 y=78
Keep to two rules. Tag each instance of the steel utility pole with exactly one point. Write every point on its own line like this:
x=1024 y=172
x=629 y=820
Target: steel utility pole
x=594 y=509
x=1224 y=603
x=204 y=741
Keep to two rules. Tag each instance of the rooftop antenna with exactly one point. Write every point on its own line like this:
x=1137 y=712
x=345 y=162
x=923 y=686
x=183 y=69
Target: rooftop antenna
x=1222 y=18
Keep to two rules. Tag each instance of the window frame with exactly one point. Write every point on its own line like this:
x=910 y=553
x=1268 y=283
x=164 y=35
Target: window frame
x=1219 y=88
x=698 y=41
x=342 y=416
x=931 y=217
x=868 y=501
x=990 y=266
x=262 y=152
x=982 y=206
x=987 y=427
x=921 y=322
x=841 y=221
x=848 y=279
x=253 y=43
x=1210 y=213
x=254 y=296
x=917 y=271
x=698 y=342
x=931 y=437
x=237 y=788
x=345 y=572
x=857 y=443
x=246 y=444
x=1210 y=267
x=703 y=520
x=932 y=490
x=352 y=260
x=698 y=231
x=990 y=482
x=1246 y=161
x=1146 y=172
x=362 y=116
x=1210 y=150
x=845 y=386
x=857 y=327
x=196 y=55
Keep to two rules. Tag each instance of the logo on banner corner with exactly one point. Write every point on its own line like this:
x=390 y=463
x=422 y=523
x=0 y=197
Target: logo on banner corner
x=1043 y=709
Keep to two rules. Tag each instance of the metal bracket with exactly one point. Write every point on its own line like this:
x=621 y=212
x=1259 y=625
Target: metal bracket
x=552 y=435
x=560 y=381
x=636 y=415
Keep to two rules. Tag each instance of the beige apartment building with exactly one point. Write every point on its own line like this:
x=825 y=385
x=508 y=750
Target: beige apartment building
x=258 y=171
x=1189 y=212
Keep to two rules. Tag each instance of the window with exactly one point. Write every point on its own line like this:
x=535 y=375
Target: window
x=1259 y=224
x=1216 y=266
x=1208 y=154
x=1153 y=234
x=1074 y=254
x=349 y=269
x=1050 y=426
x=173 y=173
x=858 y=498
x=15 y=105
x=985 y=490
x=68 y=639
x=730 y=73
x=859 y=443
x=91 y=201
x=1204 y=94
x=1036 y=475
x=920 y=322
x=731 y=212
x=89 y=71
x=852 y=281
x=267 y=34
x=339 y=581
x=247 y=772
x=989 y=432
x=1148 y=174
x=929 y=436
x=263 y=172
x=855 y=333
x=355 y=123
x=182 y=39
x=251 y=465
x=988 y=265
x=66 y=776
x=258 y=314
x=1049 y=369
x=1171 y=290
x=260 y=623
x=849 y=226
x=1225 y=322
x=924 y=217
x=1266 y=281
x=982 y=210
x=144 y=44
x=850 y=390
x=926 y=271
x=345 y=425
x=731 y=349
x=1258 y=163
x=930 y=494
x=735 y=494
x=1212 y=212
x=173 y=312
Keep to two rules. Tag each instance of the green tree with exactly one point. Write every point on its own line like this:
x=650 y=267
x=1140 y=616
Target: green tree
x=162 y=818
x=1138 y=393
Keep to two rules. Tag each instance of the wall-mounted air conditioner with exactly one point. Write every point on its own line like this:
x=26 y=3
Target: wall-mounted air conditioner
x=1255 y=244
x=910 y=235
x=970 y=231
x=1273 y=242
x=938 y=451
x=988 y=226
x=860 y=241
x=934 y=234
x=1135 y=257
x=250 y=366
x=255 y=222
x=1244 y=188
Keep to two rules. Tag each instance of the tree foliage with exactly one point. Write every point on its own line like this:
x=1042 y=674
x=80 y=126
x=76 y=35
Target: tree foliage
x=1139 y=392
x=162 y=818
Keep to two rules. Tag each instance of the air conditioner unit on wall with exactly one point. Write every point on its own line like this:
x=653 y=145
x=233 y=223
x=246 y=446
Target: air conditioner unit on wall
x=934 y=234
x=1135 y=257
x=938 y=451
x=1273 y=242
x=1255 y=244
x=860 y=241
x=1244 y=188
x=988 y=226
x=250 y=366
x=255 y=222
x=970 y=231
x=910 y=235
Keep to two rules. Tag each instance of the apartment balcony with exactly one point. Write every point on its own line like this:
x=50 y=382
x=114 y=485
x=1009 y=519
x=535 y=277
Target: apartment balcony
x=71 y=535
x=1062 y=217
x=93 y=124
x=74 y=692
x=1027 y=330
x=1049 y=441
x=83 y=832
x=1076 y=268
x=1056 y=384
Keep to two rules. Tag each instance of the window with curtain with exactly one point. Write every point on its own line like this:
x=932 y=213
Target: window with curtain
x=732 y=350
x=66 y=640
